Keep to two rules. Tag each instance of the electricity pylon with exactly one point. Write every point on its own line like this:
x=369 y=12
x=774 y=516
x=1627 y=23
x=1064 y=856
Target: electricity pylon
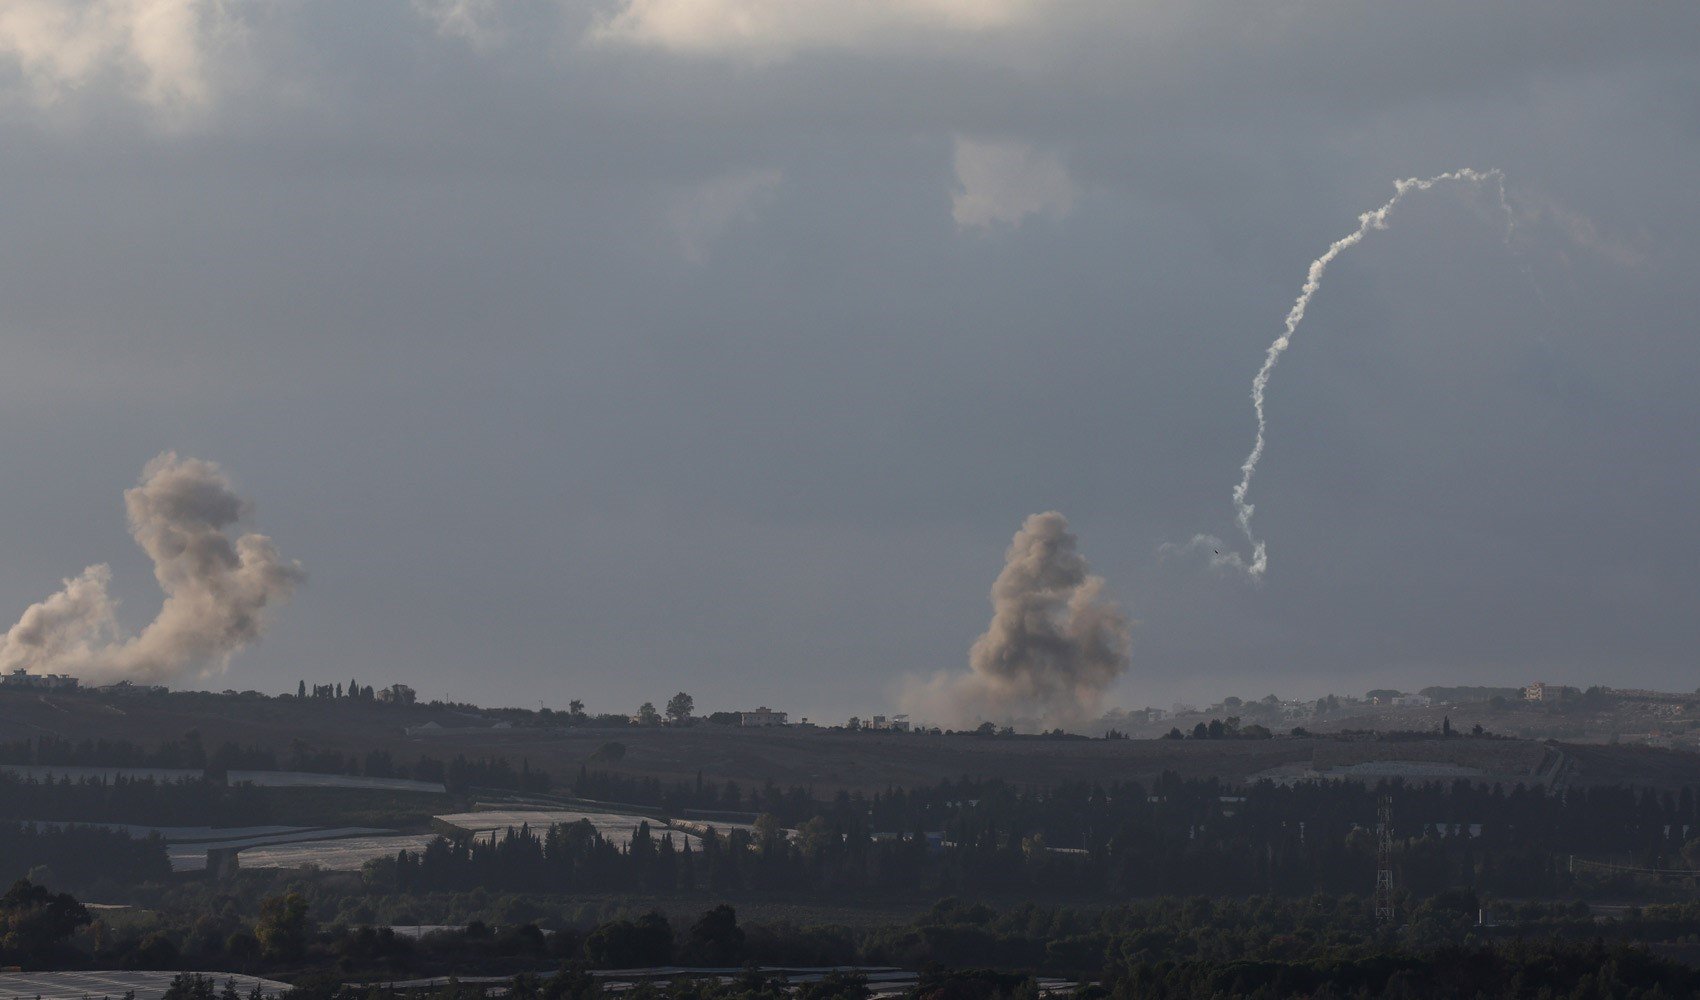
x=1384 y=861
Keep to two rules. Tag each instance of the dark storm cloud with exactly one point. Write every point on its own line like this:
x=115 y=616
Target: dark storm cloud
x=606 y=360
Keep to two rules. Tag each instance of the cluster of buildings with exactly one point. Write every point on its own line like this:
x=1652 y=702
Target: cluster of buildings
x=765 y=717
x=20 y=678
x=1541 y=691
x=125 y=687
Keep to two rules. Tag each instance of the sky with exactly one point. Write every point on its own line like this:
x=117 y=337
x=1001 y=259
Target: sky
x=605 y=350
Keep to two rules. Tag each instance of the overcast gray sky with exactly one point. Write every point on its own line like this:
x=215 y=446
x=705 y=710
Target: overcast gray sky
x=603 y=350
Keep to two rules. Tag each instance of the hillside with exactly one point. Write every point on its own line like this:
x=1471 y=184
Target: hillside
x=826 y=760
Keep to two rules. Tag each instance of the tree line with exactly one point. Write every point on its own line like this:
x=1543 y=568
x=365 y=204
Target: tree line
x=1154 y=949
x=80 y=855
x=1177 y=836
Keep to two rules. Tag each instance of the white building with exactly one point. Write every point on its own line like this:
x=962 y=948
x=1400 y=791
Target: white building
x=1412 y=701
x=763 y=716
x=1542 y=691
x=897 y=723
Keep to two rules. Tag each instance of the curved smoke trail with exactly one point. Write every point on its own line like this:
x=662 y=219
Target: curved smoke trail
x=1377 y=219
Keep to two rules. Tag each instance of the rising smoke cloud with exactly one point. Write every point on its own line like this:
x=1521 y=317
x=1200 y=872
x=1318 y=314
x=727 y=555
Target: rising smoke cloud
x=1377 y=219
x=219 y=591
x=1054 y=646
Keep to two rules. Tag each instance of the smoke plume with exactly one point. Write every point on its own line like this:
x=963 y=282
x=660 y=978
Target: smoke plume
x=218 y=590
x=1054 y=646
x=1377 y=219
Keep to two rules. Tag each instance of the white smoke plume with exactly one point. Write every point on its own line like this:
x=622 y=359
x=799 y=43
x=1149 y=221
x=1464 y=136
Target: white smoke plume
x=219 y=591
x=1377 y=219
x=1054 y=646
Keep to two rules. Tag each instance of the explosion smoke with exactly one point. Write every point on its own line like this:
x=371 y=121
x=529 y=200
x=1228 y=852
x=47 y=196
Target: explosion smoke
x=1054 y=646
x=1313 y=281
x=218 y=591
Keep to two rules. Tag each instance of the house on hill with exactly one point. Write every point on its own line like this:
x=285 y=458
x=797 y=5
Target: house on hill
x=761 y=717
x=1550 y=693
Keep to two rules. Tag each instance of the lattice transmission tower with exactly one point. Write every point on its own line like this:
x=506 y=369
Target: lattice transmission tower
x=1384 y=861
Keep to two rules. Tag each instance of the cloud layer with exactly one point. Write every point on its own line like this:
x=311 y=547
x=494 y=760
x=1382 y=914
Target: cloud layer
x=152 y=50
x=783 y=28
x=1003 y=183
x=609 y=343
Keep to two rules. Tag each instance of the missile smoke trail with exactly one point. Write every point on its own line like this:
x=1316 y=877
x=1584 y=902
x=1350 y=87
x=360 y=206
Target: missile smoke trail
x=218 y=590
x=1368 y=221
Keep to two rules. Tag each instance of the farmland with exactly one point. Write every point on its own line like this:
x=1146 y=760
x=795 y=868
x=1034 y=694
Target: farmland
x=329 y=848
x=343 y=854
